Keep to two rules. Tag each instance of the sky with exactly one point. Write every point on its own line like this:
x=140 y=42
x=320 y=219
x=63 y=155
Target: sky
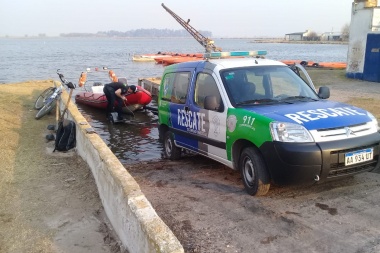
x=238 y=18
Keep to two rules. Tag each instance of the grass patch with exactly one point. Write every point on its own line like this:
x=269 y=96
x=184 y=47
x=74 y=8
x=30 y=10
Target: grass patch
x=322 y=77
x=370 y=104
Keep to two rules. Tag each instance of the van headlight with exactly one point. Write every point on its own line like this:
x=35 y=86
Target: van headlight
x=289 y=132
x=374 y=120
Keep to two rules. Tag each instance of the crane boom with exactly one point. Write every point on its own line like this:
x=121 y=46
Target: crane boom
x=207 y=43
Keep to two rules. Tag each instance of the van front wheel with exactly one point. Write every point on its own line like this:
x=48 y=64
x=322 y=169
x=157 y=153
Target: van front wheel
x=253 y=172
x=171 y=150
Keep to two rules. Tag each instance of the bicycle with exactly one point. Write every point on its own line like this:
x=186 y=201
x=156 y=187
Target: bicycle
x=47 y=100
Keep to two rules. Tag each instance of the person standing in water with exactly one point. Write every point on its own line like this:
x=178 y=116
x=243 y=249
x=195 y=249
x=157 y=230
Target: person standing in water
x=115 y=91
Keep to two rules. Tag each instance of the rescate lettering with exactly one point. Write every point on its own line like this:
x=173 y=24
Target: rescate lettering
x=311 y=115
x=191 y=120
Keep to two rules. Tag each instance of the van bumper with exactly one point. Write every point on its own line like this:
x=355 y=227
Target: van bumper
x=308 y=163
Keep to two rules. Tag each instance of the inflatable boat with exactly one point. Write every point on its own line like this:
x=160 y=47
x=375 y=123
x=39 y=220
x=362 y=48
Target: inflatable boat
x=94 y=96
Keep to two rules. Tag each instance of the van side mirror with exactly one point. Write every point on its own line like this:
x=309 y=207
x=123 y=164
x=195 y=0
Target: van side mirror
x=324 y=92
x=211 y=103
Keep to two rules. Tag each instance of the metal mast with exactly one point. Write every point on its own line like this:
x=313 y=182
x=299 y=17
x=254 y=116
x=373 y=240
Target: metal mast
x=207 y=43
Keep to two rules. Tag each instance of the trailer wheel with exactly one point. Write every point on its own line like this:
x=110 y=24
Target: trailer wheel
x=172 y=152
x=253 y=172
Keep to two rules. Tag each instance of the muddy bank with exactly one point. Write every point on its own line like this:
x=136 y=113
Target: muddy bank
x=205 y=205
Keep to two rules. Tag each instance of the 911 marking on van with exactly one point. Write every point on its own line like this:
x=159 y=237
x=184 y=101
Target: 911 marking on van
x=192 y=120
x=248 y=122
x=310 y=115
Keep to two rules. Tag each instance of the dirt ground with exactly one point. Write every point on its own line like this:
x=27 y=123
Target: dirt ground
x=48 y=201
x=205 y=205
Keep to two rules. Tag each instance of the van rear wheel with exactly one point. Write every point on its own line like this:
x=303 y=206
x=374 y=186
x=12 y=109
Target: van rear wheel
x=171 y=150
x=253 y=172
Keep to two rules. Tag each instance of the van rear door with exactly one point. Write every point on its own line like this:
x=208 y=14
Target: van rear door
x=174 y=108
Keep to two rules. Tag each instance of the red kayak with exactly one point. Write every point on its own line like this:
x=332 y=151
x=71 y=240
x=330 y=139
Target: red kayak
x=97 y=99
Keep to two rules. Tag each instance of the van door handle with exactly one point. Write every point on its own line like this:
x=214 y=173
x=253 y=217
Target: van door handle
x=187 y=109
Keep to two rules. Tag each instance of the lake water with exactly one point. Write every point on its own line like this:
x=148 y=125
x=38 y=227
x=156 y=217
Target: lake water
x=38 y=59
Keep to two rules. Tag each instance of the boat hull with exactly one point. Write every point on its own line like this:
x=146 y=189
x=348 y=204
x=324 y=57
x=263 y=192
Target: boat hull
x=134 y=101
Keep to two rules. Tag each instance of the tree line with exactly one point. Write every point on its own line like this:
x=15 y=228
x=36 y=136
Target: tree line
x=138 y=33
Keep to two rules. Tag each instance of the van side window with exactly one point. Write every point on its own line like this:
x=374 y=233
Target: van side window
x=206 y=93
x=175 y=87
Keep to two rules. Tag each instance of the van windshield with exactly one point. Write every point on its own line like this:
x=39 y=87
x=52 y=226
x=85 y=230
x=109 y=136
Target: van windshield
x=265 y=85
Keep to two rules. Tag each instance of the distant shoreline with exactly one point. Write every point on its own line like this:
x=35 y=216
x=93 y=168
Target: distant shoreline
x=253 y=39
x=298 y=41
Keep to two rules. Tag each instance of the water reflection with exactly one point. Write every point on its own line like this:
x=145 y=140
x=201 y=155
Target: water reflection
x=130 y=142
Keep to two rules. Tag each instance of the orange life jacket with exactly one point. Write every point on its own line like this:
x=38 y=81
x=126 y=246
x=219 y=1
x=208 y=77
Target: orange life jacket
x=112 y=76
x=82 y=79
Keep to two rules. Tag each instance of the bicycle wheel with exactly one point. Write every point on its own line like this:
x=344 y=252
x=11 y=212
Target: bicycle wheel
x=46 y=108
x=42 y=98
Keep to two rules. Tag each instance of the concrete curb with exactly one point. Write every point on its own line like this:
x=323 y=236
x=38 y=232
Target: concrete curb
x=132 y=216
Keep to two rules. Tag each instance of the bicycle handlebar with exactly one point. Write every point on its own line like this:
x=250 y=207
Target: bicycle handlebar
x=70 y=85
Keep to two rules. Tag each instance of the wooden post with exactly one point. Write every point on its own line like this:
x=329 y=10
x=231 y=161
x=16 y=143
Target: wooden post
x=57 y=109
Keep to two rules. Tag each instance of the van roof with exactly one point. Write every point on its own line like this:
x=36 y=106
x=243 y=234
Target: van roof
x=243 y=62
x=225 y=63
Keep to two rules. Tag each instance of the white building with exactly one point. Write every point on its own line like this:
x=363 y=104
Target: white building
x=294 y=36
x=331 y=36
x=298 y=36
x=363 y=58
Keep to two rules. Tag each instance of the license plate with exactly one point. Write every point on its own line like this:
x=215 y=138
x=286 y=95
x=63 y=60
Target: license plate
x=358 y=156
